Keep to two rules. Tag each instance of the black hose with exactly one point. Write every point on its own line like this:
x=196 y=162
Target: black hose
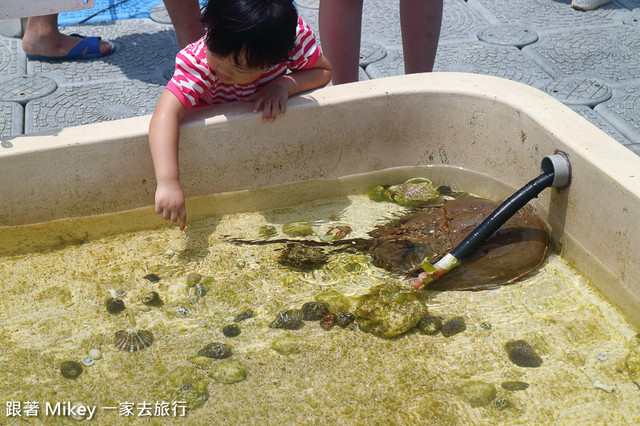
x=507 y=209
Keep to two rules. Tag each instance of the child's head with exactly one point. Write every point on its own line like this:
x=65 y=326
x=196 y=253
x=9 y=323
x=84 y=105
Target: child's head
x=250 y=35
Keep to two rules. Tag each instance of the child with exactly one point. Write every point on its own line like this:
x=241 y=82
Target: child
x=254 y=50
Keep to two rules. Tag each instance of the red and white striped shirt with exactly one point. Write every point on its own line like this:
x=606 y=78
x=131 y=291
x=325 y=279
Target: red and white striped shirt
x=195 y=84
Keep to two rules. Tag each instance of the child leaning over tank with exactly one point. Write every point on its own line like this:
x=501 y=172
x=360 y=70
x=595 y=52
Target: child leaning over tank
x=254 y=50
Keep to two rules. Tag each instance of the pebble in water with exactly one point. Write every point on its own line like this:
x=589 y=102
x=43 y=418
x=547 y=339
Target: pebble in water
x=314 y=311
x=522 y=354
x=243 y=316
x=152 y=278
x=231 y=330
x=502 y=403
x=289 y=320
x=215 y=350
x=430 y=325
x=87 y=362
x=114 y=305
x=345 y=319
x=70 y=369
x=328 y=322
x=152 y=299
x=514 y=385
x=95 y=353
x=453 y=326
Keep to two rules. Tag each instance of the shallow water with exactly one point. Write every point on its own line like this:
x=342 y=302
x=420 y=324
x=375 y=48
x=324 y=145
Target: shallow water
x=52 y=309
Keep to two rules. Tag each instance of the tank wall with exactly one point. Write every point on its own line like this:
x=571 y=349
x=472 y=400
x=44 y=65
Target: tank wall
x=485 y=124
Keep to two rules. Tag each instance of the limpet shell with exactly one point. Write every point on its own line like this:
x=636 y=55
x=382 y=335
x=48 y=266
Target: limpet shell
x=114 y=305
x=152 y=299
x=133 y=340
x=87 y=362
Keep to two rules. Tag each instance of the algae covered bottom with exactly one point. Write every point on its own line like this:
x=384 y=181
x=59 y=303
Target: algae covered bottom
x=52 y=310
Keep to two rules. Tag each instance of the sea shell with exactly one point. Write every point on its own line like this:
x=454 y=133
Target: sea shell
x=152 y=299
x=231 y=330
x=152 y=277
x=243 y=316
x=328 y=322
x=133 y=340
x=314 y=311
x=289 y=320
x=114 y=305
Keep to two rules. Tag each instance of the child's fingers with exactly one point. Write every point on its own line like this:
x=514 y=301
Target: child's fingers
x=183 y=219
x=257 y=104
x=267 y=113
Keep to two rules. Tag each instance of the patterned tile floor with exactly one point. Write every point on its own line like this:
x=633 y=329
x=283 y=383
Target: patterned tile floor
x=588 y=60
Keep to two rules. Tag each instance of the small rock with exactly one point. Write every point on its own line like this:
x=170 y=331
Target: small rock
x=453 y=326
x=243 y=316
x=215 y=350
x=114 y=306
x=514 y=385
x=430 y=325
x=193 y=279
x=297 y=229
x=289 y=320
x=632 y=363
x=345 y=319
x=228 y=372
x=87 y=362
x=602 y=357
x=522 y=354
x=605 y=387
x=70 y=369
x=152 y=278
x=314 y=311
x=287 y=345
x=477 y=393
x=95 y=354
x=201 y=361
x=502 y=403
x=328 y=322
x=231 y=330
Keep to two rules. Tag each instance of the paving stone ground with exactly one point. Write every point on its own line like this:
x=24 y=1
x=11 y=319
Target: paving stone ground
x=588 y=60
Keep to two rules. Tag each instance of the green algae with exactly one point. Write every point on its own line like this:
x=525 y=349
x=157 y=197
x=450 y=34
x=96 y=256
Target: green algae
x=228 y=371
x=288 y=344
x=477 y=393
x=404 y=381
x=389 y=310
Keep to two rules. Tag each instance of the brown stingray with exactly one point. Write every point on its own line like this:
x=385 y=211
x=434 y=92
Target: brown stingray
x=399 y=246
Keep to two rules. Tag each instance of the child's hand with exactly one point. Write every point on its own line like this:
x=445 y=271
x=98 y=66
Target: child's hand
x=273 y=98
x=170 y=203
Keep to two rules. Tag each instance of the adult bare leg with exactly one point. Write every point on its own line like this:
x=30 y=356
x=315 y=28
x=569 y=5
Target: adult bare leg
x=185 y=16
x=420 y=21
x=340 y=24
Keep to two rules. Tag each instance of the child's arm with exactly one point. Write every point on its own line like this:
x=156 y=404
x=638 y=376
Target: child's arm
x=164 y=134
x=273 y=96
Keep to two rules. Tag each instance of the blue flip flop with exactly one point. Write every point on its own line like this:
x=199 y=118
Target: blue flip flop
x=91 y=44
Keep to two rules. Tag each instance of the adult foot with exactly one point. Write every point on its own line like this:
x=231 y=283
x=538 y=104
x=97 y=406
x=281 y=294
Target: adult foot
x=59 y=45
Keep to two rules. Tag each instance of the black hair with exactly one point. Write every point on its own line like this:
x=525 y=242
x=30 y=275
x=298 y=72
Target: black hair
x=253 y=33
